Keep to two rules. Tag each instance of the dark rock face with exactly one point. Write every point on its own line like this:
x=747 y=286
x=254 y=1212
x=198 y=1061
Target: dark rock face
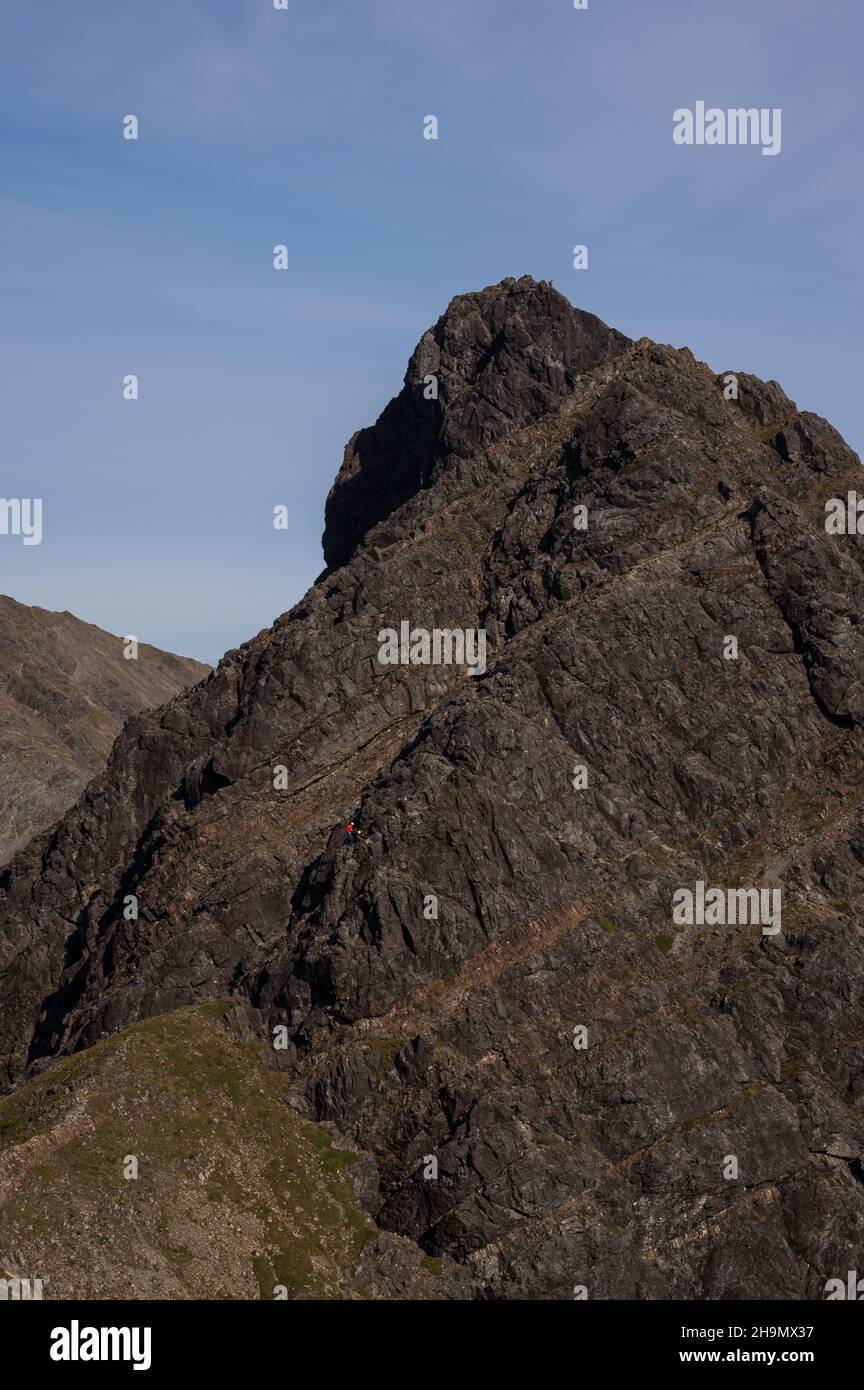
x=65 y=692
x=706 y=1140
x=499 y=361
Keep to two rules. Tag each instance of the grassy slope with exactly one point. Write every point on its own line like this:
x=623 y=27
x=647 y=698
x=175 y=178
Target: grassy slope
x=236 y=1193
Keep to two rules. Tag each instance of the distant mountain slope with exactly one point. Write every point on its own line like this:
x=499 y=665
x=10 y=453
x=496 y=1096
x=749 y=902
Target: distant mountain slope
x=66 y=690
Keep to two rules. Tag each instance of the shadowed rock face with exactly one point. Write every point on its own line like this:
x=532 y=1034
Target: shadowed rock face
x=712 y=1050
x=65 y=692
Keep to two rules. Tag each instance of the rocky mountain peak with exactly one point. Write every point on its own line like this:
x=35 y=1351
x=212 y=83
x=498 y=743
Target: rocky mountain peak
x=494 y=362
x=496 y=975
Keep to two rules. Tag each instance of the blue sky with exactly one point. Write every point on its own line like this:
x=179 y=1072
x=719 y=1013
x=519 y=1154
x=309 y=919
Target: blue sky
x=304 y=127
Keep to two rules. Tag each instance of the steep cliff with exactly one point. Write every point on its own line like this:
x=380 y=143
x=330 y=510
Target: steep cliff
x=494 y=977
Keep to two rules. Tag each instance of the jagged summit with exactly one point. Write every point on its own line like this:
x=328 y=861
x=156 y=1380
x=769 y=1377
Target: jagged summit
x=610 y=513
x=497 y=360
